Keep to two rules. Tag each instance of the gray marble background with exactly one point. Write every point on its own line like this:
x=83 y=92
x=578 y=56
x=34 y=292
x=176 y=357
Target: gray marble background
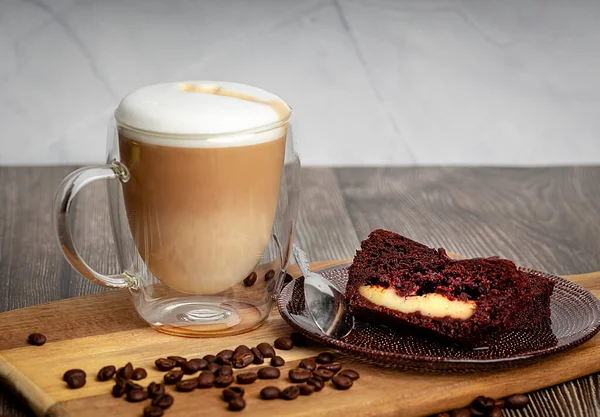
x=500 y=82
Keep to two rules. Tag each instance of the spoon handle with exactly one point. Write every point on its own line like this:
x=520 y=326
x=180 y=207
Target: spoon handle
x=301 y=260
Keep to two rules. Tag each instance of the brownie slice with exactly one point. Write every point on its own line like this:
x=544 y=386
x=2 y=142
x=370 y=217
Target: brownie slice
x=397 y=281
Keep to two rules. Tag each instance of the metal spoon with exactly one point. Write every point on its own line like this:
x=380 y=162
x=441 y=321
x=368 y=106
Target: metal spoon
x=327 y=306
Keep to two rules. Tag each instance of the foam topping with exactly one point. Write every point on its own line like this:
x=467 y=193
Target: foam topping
x=199 y=108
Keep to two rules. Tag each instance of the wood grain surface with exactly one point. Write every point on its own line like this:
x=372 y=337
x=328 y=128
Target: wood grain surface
x=546 y=218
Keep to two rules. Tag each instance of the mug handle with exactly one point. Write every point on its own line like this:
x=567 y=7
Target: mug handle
x=63 y=202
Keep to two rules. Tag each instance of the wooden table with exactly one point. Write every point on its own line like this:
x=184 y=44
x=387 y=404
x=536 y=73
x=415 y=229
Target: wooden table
x=545 y=218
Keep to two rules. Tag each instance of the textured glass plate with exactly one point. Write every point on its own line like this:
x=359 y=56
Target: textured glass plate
x=575 y=315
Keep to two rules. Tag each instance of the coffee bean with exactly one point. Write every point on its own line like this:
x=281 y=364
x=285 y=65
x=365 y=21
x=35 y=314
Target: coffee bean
x=342 y=382
x=224 y=357
x=206 y=379
x=237 y=404
x=500 y=403
x=277 y=361
x=118 y=390
x=324 y=357
x=495 y=412
x=164 y=401
x=299 y=339
x=268 y=372
x=130 y=386
x=187 y=385
x=283 y=343
x=242 y=359
x=258 y=357
x=126 y=371
x=172 y=377
x=444 y=414
x=483 y=403
x=269 y=393
x=179 y=360
x=232 y=392
x=136 y=395
x=516 y=401
x=72 y=372
x=76 y=381
x=306 y=389
x=333 y=366
x=194 y=365
x=213 y=367
x=153 y=411
x=155 y=390
x=36 y=339
x=246 y=378
x=309 y=364
x=106 y=373
x=350 y=373
x=250 y=279
x=316 y=382
x=299 y=375
x=241 y=348
x=269 y=275
x=224 y=371
x=461 y=412
x=288 y=278
x=210 y=358
x=324 y=374
x=139 y=373
x=290 y=393
x=163 y=364
x=223 y=381
x=266 y=350
x=475 y=412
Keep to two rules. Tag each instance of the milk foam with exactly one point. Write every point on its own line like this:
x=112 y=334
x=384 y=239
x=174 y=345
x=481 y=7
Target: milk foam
x=188 y=114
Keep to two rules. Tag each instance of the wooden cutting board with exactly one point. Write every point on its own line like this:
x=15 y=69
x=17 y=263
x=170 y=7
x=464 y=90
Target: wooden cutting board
x=97 y=330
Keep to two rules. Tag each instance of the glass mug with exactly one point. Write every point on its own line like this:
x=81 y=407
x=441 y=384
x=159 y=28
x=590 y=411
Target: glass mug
x=203 y=222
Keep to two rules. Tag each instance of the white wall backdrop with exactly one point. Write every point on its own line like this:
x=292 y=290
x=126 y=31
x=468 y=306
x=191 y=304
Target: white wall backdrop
x=502 y=82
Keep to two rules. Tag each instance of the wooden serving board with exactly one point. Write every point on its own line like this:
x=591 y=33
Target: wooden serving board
x=102 y=329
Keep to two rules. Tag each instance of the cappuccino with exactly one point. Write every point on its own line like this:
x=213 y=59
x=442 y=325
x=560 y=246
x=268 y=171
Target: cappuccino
x=205 y=161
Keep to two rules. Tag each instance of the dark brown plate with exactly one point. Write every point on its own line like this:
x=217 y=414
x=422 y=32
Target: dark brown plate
x=575 y=316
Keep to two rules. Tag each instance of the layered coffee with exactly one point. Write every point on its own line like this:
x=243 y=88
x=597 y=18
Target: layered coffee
x=205 y=162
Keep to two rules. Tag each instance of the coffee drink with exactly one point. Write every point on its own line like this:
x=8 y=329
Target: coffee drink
x=205 y=162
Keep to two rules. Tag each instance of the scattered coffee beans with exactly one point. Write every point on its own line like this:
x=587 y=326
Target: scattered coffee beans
x=516 y=401
x=266 y=350
x=155 y=390
x=299 y=375
x=232 y=392
x=284 y=343
x=106 y=373
x=153 y=411
x=210 y=358
x=324 y=357
x=316 y=382
x=269 y=275
x=139 y=373
x=306 y=389
x=206 y=379
x=224 y=357
x=36 y=339
x=223 y=381
x=309 y=364
x=118 y=390
x=242 y=359
x=250 y=279
x=126 y=371
x=277 y=361
x=258 y=357
x=136 y=395
x=324 y=374
x=350 y=373
x=246 y=378
x=341 y=382
x=163 y=364
x=73 y=372
x=164 y=401
x=179 y=360
x=194 y=365
x=269 y=393
x=299 y=339
x=268 y=372
x=213 y=367
x=290 y=393
x=172 y=377
x=187 y=385
x=224 y=370
x=333 y=366
x=237 y=404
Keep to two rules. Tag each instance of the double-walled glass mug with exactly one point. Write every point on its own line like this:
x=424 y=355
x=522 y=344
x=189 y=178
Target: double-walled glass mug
x=203 y=192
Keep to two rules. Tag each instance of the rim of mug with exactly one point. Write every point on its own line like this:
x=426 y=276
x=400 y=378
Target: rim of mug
x=206 y=136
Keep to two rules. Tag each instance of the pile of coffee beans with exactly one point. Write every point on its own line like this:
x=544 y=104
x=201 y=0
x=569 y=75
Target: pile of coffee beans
x=488 y=407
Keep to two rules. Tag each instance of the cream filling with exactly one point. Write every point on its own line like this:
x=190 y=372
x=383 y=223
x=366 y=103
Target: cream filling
x=430 y=305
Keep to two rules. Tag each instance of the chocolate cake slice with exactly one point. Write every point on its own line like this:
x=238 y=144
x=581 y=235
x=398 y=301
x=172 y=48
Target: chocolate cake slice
x=397 y=281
